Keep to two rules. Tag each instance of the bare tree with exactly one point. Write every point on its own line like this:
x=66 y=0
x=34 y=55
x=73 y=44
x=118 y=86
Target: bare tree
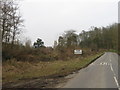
x=10 y=20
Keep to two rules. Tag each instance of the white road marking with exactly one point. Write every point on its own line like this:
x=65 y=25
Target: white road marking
x=111 y=68
x=116 y=82
x=92 y=64
x=104 y=63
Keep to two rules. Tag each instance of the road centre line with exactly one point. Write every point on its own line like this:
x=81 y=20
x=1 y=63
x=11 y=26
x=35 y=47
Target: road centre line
x=111 y=68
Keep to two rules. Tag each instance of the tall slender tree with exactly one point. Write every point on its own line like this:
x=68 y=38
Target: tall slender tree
x=10 y=20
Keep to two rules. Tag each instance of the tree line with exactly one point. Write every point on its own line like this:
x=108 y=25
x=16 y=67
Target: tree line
x=95 y=39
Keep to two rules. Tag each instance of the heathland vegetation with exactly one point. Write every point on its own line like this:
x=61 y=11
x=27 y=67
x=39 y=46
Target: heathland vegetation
x=36 y=61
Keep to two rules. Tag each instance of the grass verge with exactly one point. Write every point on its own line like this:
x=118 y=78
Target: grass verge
x=14 y=71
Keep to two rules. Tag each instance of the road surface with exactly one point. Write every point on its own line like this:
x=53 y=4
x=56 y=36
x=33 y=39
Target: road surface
x=103 y=73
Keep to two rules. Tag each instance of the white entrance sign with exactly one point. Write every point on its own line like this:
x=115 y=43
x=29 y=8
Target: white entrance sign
x=77 y=51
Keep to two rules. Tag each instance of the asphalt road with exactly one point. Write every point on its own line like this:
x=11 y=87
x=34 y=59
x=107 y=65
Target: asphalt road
x=103 y=73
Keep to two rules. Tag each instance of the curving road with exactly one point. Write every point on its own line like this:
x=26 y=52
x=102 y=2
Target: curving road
x=103 y=73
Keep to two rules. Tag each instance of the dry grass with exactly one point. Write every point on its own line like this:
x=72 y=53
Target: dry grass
x=16 y=70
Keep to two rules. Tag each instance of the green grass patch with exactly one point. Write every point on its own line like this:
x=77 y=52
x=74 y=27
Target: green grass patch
x=113 y=50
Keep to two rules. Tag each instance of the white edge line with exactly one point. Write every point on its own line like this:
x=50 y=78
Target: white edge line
x=116 y=81
x=114 y=76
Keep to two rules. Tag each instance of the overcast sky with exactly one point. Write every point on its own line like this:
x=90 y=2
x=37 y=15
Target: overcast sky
x=48 y=19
